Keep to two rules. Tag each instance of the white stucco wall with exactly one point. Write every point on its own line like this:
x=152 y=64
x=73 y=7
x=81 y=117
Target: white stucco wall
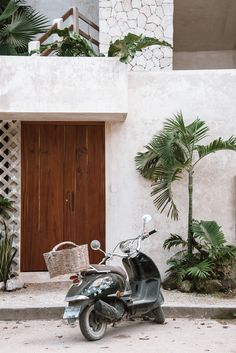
x=220 y=59
x=65 y=88
x=153 y=18
x=153 y=97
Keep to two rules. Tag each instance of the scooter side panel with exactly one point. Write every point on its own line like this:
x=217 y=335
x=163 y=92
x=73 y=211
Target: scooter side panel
x=96 y=286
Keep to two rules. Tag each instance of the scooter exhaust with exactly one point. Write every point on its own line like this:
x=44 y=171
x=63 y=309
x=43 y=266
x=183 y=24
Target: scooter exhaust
x=107 y=311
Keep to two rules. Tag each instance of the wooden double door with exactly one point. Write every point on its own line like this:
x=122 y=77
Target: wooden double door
x=63 y=191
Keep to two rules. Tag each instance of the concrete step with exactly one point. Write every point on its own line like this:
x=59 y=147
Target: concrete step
x=171 y=311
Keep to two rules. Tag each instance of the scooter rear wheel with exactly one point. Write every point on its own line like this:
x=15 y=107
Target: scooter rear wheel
x=159 y=316
x=92 y=326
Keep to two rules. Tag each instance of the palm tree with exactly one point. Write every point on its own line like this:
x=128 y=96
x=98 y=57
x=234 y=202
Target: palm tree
x=19 y=23
x=172 y=152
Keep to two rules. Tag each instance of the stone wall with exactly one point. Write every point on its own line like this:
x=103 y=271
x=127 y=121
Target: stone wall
x=152 y=18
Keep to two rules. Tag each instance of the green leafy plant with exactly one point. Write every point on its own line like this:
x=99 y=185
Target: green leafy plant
x=171 y=153
x=72 y=44
x=19 y=23
x=127 y=47
x=7 y=250
x=7 y=254
x=210 y=258
x=5 y=207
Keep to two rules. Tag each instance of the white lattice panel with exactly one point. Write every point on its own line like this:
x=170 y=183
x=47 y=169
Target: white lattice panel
x=10 y=173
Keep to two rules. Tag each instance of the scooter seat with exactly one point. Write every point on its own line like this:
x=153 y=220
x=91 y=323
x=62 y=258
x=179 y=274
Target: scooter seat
x=106 y=268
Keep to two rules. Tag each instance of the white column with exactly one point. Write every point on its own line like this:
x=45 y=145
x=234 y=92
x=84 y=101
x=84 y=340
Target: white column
x=34 y=45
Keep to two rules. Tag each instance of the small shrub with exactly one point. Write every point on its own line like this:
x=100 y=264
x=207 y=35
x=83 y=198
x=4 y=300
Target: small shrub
x=7 y=254
x=212 y=258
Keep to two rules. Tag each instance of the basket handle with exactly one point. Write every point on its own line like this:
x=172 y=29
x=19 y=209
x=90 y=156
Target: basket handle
x=63 y=243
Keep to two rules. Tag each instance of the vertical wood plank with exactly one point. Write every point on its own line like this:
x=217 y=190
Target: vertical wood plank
x=50 y=190
x=29 y=194
x=42 y=205
x=96 y=181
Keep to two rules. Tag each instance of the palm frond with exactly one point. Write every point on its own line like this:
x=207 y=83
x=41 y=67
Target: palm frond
x=9 y=10
x=209 y=232
x=226 y=253
x=162 y=189
x=21 y=25
x=202 y=270
x=174 y=240
x=175 y=124
x=216 y=145
x=197 y=131
x=170 y=148
x=146 y=163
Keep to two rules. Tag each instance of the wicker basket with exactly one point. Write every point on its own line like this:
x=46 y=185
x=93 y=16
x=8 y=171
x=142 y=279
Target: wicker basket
x=66 y=261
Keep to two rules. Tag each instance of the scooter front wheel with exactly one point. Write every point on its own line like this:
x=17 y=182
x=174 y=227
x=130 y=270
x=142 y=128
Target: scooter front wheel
x=92 y=326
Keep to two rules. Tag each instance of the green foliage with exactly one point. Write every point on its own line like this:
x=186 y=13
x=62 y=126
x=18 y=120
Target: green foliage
x=172 y=152
x=19 y=23
x=7 y=251
x=127 y=47
x=72 y=44
x=216 y=145
x=209 y=234
x=210 y=258
x=7 y=254
x=174 y=240
x=200 y=271
x=5 y=207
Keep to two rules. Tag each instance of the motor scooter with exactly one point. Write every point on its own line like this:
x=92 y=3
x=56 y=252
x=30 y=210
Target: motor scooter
x=104 y=294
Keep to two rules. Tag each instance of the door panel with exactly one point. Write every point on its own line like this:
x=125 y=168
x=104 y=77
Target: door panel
x=42 y=178
x=84 y=183
x=96 y=182
x=63 y=191
x=76 y=215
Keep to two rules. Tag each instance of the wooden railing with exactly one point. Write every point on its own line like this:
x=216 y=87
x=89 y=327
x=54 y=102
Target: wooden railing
x=58 y=23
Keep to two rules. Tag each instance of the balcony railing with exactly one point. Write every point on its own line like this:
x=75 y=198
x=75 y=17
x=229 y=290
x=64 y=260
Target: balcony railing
x=76 y=17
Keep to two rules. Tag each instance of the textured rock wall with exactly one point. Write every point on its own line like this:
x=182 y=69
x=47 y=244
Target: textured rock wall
x=153 y=18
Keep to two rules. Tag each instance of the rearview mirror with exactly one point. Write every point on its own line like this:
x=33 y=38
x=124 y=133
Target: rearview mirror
x=95 y=244
x=147 y=218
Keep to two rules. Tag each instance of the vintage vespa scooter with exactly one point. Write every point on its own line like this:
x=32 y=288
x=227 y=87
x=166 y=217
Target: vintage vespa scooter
x=103 y=294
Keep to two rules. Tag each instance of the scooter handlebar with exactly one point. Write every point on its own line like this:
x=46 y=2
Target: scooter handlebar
x=152 y=232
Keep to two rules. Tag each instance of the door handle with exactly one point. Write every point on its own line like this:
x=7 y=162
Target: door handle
x=67 y=197
x=72 y=201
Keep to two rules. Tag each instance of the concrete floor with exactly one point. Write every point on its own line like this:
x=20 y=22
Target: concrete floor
x=176 y=336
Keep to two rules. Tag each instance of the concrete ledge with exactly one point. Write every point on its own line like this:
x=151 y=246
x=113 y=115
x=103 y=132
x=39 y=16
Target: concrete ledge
x=63 y=88
x=53 y=313
x=35 y=313
x=200 y=311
